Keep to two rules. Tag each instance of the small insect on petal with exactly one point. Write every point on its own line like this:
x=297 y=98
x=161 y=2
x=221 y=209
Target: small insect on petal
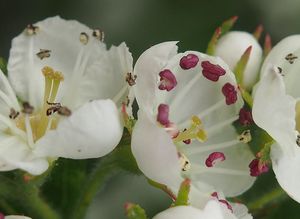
x=98 y=34
x=211 y=71
x=43 y=53
x=167 y=80
x=230 y=93
x=214 y=158
x=84 y=38
x=189 y=61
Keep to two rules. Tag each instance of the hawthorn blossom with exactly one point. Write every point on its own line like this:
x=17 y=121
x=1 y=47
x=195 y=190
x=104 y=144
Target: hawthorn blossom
x=188 y=103
x=2 y=216
x=231 y=47
x=60 y=100
x=276 y=110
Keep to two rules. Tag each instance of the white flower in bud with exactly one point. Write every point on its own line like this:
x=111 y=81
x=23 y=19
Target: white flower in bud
x=276 y=109
x=70 y=89
x=188 y=102
x=231 y=47
x=212 y=210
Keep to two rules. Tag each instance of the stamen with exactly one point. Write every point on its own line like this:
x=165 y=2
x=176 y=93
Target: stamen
x=167 y=80
x=245 y=137
x=230 y=93
x=214 y=158
x=194 y=132
x=245 y=117
x=43 y=53
x=130 y=79
x=64 y=111
x=184 y=162
x=163 y=114
x=13 y=113
x=189 y=61
x=298 y=140
x=31 y=29
x=291 y=58
x=27 y=108
x=29 y=131
x=212 y=72
x=84 y=38
x=98 y=34
x=211 y=130
x=257 y=168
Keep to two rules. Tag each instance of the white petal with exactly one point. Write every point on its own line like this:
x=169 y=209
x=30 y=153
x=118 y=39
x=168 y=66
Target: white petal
x=232 y=46
x=274 y=111
x=147 y=68
x=105 y=78
x=287 y=170
x=16 y=217
x=155 y=152
x=212 y=210
x=277 y=58
x=91 y=131
x=15 y=154
x=68 y=55
x=240 y=211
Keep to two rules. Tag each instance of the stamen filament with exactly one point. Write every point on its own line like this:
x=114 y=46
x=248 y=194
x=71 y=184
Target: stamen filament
x=191 y=150
x=211 y=130
x=29 y=132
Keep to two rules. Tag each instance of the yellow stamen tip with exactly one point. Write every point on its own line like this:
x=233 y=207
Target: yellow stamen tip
x=201 y=135
x=47 y=71
x=58 y=76
x=196 y=120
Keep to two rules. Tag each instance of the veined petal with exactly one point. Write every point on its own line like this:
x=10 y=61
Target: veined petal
x=232 y=46
x=287 y=170
x=16 y=217
x=91 y=131
x=105 y=78
x=147 y=68
x=155 y=152
x=66 y=54
x=277 y=116
x=15 y=154
x=240 y=211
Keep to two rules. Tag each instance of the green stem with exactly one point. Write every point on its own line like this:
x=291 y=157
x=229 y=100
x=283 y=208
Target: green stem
x=100 y=175
x=25 y=197
x=274 y=196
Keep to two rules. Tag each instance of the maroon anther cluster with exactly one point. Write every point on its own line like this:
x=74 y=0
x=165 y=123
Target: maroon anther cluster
x=257 y=168
x=163 y=114
x=245 y=117
x=189 y=61
x=212 y=72
x=213 y=158
x=230 y=93
x=167 y=80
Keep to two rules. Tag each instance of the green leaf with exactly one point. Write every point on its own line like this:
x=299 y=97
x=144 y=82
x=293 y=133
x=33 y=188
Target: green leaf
x=3 y=65
x=134 y=211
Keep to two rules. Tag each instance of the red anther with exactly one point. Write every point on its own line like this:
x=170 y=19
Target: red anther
x=230 y=93
x=245 y=117
x=189 y=61
x=213 y=158
x=211 y=71
x=167 y=80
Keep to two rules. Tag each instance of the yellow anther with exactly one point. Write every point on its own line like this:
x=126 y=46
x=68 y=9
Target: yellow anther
x=58 y=76
x=201 y=135
x=196 y=120
x=184 y=162
x=48 y=71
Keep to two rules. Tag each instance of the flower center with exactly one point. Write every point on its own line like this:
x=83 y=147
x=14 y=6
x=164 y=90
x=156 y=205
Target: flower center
x=36 y=123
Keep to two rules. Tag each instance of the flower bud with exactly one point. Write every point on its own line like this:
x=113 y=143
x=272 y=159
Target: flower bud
x=232 y=46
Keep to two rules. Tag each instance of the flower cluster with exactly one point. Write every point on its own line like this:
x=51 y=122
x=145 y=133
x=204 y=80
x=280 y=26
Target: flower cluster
x=66 y=95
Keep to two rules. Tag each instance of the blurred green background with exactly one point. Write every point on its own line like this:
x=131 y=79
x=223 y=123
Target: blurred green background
x=142 y=23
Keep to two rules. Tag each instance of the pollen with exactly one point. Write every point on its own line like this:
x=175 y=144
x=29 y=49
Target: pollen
x=245 y=137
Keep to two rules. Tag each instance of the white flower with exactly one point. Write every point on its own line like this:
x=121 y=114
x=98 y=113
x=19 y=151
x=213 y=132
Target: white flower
x=212 y=210
x=16 y=217
x=232 y=46
x=276 y=109
x=67 y=108
x=198 y=93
